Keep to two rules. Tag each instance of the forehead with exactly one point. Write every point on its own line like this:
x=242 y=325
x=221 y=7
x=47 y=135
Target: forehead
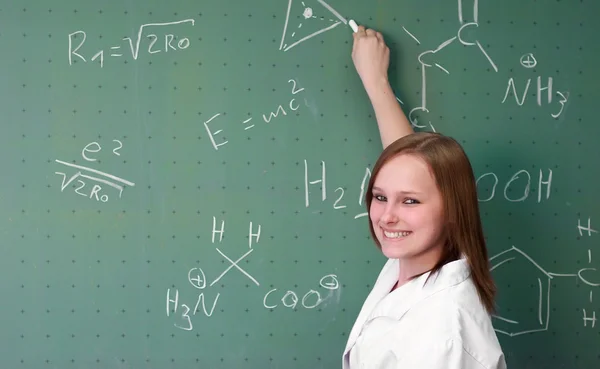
x=405 y=173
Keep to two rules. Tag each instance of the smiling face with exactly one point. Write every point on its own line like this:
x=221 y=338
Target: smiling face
x=407 y=212
x=423 y=209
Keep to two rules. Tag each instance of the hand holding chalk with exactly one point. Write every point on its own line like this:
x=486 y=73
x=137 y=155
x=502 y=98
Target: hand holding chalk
x=370 y=55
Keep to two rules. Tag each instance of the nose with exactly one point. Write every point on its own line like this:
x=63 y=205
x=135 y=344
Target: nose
x=390 y=215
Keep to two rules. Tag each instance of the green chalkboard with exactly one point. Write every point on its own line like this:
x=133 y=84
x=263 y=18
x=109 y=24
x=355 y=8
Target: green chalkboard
x=183 y=181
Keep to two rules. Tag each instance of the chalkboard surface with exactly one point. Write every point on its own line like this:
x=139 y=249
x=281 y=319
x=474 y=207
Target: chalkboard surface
x=183 y=181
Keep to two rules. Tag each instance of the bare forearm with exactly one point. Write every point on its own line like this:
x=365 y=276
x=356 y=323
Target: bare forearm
x=391 y=120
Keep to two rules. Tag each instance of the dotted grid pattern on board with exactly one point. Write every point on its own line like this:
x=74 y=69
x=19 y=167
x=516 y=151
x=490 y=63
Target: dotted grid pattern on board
x=202 y=189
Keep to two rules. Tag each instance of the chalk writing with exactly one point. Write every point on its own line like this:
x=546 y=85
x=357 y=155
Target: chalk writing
x=539 y=320
x=523 y=190
x=516 y=188
x=588 y=321
x=528 y=61
x=185 y=317
x=589 y=228
x=157 y=43
x=100 y=178
x=563 y=96
x=307 y=15
x=269 y=117
x=236 y=265
x=425 y=65
x=198 y=278
x=206 y=300
x=310 y=300
x=322 y=180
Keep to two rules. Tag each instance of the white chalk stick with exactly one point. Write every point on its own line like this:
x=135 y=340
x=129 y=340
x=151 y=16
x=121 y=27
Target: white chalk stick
x=353 y=25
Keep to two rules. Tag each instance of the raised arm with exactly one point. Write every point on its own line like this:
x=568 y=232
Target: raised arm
x=371 y=57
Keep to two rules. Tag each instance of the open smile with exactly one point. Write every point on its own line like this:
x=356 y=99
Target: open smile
x=396 y=235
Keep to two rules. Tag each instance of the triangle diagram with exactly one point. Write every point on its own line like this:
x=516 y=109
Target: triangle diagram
x=306 y=19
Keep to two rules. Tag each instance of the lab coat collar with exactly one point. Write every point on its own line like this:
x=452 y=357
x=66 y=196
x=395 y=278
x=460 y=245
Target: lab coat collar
x=420 y=288
x=405 y=297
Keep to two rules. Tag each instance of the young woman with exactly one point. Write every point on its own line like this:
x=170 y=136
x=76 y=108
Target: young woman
x=431 y=303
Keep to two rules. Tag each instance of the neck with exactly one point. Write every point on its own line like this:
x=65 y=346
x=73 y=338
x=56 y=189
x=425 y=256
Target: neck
x=418 y=264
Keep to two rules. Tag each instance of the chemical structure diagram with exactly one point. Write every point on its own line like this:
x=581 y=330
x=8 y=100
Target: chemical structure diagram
x=330 y=23
x=531 y=286
x=425 y=66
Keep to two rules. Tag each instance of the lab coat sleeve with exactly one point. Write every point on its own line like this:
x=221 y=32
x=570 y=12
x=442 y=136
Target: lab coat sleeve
x=448 y=354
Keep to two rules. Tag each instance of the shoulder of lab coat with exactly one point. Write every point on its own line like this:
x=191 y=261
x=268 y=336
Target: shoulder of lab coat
x=435 y=354
x=443 y=333
x=438 y=324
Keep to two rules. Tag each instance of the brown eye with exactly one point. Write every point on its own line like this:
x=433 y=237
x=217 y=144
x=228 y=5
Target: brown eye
x=380 y=197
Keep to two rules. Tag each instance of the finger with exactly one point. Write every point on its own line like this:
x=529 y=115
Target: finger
x=371 y=32
x=355 y=39
x=355 y=35
x=379 y=36
x=359 y=32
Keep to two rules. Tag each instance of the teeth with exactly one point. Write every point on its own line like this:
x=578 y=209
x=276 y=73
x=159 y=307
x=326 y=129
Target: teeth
x=395 y=234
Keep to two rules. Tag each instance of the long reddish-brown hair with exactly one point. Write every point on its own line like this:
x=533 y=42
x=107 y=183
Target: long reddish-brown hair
x=455 y=180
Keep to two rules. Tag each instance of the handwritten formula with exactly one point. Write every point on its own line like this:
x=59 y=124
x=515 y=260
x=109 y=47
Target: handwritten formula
x=271 y=299
x=85 y=175
x=289 y=106
x=158 y=42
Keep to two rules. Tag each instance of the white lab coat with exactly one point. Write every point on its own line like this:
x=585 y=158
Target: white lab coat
x=441 y=324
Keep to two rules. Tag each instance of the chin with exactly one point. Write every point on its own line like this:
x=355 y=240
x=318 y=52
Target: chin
x=393 y=251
